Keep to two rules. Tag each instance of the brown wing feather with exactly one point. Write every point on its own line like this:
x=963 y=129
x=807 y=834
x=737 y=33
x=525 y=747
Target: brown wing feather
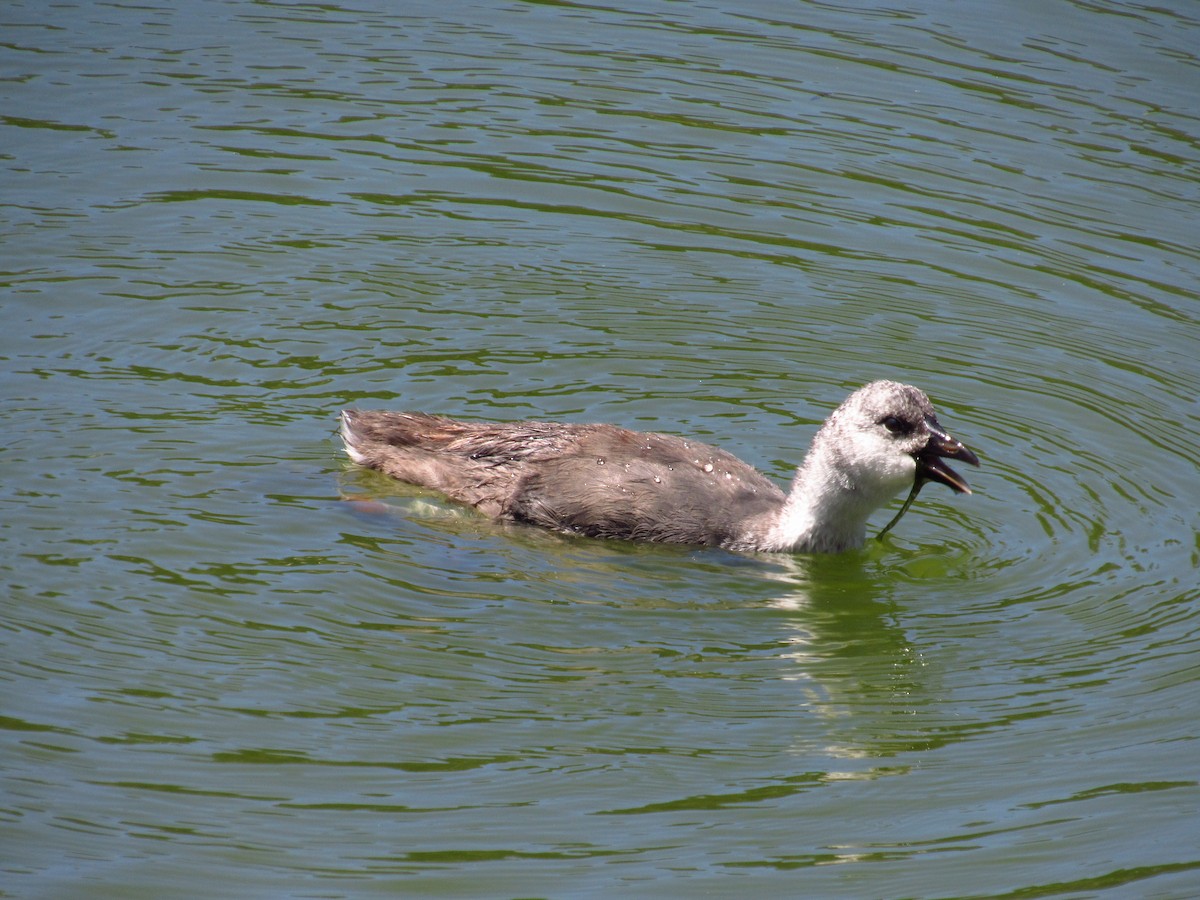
x=479 y=463
x=599 y=480
x=649 y=487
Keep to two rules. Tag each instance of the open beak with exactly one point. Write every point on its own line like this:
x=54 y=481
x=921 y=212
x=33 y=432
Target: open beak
x=931 y=465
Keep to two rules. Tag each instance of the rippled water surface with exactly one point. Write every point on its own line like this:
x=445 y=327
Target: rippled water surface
x=235 y=666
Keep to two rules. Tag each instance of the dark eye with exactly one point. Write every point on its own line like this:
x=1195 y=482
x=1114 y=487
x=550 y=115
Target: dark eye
x=896 y=425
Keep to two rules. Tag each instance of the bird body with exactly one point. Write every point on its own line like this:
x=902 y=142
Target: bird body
x=609 y=482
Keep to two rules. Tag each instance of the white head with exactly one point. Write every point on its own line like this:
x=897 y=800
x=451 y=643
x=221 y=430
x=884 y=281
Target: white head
x=883 y=439
x=884 y=435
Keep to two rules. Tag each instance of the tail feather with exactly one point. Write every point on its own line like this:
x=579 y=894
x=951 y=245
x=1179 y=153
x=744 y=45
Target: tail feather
x=351 y=440
x=365 y=433
x=413 y=447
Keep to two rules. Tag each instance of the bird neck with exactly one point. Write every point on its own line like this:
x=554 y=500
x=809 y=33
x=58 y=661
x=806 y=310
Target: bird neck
x=824 y=512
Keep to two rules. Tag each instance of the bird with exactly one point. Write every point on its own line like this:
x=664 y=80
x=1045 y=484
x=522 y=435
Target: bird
x=605 y=481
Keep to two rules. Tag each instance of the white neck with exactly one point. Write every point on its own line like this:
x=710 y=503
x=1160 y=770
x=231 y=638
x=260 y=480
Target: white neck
x=827 y=510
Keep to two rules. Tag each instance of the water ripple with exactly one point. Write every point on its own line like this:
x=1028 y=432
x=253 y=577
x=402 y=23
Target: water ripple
x=222 y=225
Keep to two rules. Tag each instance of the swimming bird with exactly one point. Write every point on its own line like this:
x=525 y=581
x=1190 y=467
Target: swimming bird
x=609 y=482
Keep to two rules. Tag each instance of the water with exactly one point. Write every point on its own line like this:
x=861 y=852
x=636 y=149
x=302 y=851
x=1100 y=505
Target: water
x=235 y=666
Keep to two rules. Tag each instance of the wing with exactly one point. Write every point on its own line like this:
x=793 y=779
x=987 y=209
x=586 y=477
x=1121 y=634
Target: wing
x=479 y=463
x=647 y=487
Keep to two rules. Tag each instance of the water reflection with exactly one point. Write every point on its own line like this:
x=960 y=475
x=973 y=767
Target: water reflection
x=219 y=228
x=834 y=635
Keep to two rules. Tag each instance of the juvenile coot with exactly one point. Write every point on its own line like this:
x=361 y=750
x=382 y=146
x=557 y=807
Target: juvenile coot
x=609 y=482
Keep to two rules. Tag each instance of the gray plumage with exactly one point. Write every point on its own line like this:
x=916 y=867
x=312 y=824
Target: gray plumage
x=608 y=482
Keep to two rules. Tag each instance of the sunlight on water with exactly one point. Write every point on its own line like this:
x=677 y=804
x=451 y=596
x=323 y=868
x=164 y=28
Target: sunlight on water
x=232 y=656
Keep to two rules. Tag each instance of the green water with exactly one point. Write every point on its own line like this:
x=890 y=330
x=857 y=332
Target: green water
x=233 y=665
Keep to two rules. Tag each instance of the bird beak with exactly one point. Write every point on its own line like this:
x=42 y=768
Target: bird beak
x=931 y=458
